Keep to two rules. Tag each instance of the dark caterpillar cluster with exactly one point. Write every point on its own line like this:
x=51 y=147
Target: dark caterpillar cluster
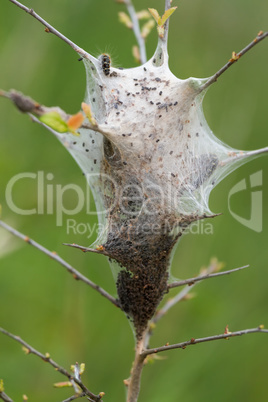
x=105 y=63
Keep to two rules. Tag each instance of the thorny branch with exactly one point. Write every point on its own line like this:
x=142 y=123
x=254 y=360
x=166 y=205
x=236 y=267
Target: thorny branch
x=235 y=57
x=191 y=281
x=46 y=358
x=194 y=341
x=76 y=274
x=51 y=29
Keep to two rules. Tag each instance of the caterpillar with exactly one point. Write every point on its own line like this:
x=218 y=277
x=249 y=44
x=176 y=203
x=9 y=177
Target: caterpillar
x=105 y=60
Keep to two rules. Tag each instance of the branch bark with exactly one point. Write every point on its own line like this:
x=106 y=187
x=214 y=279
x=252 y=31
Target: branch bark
x=134 y=381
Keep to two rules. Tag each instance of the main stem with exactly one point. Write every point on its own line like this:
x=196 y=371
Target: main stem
x=135 y=377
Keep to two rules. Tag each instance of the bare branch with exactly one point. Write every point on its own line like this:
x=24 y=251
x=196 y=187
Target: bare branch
x=99 y=250
x=235 y=57
x=72 y=398
x=191 y=281
x=76 y=274
x=5 y=397
x=194 y=341
x=167 y=6
x=46 y=358
x=51 y=29
x=136 y=30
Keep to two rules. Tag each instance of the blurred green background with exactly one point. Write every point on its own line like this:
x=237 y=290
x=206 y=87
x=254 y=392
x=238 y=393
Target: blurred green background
x=41 y=302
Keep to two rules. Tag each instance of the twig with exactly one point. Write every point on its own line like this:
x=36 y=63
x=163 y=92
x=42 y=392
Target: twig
x=76 y=274
x=72 y=398
x=51 y=29
x=235 y=58
x=167 y=6
x=161 y=54
x=194 y=341
x=88 y=249
x=46 y=358
x=191 y=281
x=5 y=397
x=136 y=30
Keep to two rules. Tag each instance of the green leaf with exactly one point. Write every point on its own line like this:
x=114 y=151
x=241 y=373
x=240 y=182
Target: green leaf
x=167 y=14
x=55 y=121
x=155 y=14
x=63 y=384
